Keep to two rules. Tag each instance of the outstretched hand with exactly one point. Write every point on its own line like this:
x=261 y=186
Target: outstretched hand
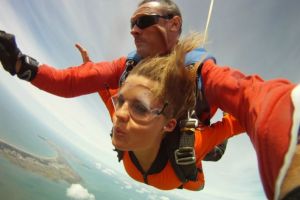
x=84 y=53
x=9 y=52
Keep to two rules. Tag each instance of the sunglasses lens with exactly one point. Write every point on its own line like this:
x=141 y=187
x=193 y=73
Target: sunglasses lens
x=145 y=21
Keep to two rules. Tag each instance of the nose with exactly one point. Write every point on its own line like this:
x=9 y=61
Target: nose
x=122 y=113
x=135 y=30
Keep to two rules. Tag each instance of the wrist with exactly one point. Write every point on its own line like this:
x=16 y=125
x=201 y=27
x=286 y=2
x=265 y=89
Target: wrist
x=18 y=65
x=26 y=67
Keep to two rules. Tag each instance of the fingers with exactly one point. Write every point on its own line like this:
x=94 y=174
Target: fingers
x=8 y=52
x=84 y=53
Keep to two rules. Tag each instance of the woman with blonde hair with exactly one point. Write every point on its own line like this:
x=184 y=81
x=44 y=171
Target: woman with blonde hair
x=157 y=96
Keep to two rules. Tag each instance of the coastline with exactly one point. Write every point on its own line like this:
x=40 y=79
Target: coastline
x=54 y=168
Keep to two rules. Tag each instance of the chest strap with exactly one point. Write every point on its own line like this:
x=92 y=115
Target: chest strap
x=185 y=156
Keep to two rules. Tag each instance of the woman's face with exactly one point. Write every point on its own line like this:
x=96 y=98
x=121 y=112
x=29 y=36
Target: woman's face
x=138 y=124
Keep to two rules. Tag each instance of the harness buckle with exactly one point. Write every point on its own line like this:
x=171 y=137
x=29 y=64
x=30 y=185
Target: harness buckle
x=185 y=156
x=189 y=123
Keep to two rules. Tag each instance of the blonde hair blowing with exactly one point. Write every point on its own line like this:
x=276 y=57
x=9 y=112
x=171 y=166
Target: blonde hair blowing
x=177 y=84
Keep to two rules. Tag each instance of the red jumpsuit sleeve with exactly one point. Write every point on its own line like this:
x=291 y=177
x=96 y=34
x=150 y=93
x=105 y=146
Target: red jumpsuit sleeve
x=79 y=80
x=264 y=108
x=238 y=94
x=210 y=136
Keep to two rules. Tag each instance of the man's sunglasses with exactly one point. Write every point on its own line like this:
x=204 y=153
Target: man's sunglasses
x=148 y=20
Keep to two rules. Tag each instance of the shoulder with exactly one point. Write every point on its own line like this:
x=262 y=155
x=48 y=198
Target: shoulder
x=120 y=62
x=198 y=55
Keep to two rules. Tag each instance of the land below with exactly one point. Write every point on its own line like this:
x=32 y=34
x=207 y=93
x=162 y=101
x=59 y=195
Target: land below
x=54 y=168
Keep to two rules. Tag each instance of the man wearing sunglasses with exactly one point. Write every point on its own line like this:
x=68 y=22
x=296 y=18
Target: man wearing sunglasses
x=155 y=31
x=269 y=110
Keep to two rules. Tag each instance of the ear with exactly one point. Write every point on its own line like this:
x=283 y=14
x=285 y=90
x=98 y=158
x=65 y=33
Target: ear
x=171 y=124
x=176 y=23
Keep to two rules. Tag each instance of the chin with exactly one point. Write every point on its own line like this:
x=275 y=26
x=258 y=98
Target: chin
x=119 y=145
x=143 y=52
x=140 y=52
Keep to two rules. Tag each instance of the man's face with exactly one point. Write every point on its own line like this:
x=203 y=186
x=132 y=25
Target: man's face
x=150 y=40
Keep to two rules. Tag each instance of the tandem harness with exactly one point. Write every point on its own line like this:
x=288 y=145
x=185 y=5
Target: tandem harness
x=181 y=150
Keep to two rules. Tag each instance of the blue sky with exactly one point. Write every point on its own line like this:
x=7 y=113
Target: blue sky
x=260 y=37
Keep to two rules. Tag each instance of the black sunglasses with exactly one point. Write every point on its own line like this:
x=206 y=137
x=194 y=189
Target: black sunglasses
x=148 y=20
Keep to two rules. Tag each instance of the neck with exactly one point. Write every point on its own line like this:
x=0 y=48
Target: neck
x=147 y=157
x=172 y=44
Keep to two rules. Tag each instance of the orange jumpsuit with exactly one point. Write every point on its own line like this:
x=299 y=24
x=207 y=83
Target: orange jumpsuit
x=205 y=140
x=264 y=108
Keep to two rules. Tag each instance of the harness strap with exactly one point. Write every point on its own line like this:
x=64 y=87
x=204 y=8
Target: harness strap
x=202 y=107
x=132 y=60
x=185 y=156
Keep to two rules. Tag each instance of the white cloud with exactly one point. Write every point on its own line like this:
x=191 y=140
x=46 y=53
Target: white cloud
x=164 y=198
x=78 y=192
x=98 y=165
x=155 y=197
x=127 y=185
x=142 y=190
x=109 y=171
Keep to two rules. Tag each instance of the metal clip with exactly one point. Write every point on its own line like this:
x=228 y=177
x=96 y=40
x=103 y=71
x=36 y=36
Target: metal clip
x=189 y=122
x=185 y=156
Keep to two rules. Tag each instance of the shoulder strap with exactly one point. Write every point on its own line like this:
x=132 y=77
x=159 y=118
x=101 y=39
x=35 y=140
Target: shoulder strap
x=132 y=60
x=196 y=58
x=184 y=161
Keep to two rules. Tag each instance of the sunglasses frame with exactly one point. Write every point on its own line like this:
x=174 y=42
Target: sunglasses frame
x=150 y=20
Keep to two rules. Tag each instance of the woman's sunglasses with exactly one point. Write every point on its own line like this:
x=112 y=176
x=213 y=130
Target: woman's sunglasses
x=148 y=20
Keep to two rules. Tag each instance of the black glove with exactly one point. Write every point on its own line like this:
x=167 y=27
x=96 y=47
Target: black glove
x=10 y=53
x=216 y=153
